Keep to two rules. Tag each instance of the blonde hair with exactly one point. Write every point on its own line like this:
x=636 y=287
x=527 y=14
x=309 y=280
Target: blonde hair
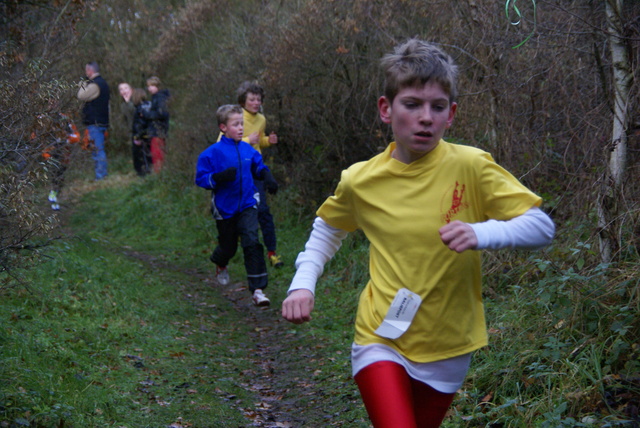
x=418 y=62
x=224 y=112
x=154 y=81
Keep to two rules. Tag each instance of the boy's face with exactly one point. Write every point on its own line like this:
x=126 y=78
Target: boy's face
x=418 y=116
x=253 y=103
x=233 y=128
x=152 y=89
x=125 y=91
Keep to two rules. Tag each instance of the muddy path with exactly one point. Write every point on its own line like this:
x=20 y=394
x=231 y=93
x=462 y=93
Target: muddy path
x=276 y=377
x=296 y=381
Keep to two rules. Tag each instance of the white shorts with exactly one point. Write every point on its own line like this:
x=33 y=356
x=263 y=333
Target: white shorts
x=445 y=376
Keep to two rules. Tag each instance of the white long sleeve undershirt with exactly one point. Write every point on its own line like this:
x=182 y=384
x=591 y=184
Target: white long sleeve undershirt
x=533 y=229
x=322 y=245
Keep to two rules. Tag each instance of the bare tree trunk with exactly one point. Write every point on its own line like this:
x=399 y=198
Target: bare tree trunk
x=608 y=208
x=621 y=84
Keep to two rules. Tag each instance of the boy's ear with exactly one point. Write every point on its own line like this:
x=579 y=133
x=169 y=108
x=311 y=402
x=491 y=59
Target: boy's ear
x=384 y=108
x=452 y=113
x=223 y=127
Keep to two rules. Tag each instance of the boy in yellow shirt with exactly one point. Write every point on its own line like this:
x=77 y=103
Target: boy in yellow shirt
x=426 y=207
x=250 y=97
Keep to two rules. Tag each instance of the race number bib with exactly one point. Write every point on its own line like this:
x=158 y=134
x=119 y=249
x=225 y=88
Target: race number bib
x=400 y=315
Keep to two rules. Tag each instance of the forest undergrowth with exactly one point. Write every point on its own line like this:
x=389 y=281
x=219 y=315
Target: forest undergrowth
x=121 y=323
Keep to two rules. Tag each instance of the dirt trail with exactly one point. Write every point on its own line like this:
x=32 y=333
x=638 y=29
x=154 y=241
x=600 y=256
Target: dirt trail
x=278 y=375
x=268 y=341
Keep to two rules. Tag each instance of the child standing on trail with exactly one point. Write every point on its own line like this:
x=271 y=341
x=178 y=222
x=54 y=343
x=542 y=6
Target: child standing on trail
x=426 y=206
x=158 y=116
x=229 y=168
x=141 y=141
x=250 y=97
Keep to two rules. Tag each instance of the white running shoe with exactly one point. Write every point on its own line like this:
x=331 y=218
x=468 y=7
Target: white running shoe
x=55 y=206
x=222 y=275
x=259 y=299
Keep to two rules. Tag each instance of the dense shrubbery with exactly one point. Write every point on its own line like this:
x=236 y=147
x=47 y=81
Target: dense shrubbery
x=35 y=89
x=542 y=109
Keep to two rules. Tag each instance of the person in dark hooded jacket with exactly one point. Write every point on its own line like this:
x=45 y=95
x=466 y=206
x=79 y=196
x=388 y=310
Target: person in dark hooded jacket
x=140 y=132
x=158 y=116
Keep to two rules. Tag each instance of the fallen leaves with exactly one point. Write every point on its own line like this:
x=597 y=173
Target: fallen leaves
x=179 y=423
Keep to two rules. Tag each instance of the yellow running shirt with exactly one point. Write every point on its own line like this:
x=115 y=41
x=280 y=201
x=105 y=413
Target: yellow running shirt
x=255 y=123
x=400 y=209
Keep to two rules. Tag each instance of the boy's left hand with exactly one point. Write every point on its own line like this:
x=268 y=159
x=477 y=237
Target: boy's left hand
x=273 y=138
x=271 y=186
x=458 y=236
x=270 y=183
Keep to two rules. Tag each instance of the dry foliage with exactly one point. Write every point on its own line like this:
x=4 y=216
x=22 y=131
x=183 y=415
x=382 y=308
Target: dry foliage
x=37 y=38
x=542 y=108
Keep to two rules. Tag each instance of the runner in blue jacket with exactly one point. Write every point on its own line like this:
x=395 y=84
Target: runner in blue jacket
x=229 y=168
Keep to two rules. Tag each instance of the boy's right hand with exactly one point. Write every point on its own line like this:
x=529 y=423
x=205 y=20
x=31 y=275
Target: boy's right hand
x=297 y=307
x=458 y=236
x=228 y=174
x=270 y=183
x=254 y=138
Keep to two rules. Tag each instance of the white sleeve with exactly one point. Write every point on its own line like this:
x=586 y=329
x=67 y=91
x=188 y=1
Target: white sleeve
x=532 y=230
x=322 y=245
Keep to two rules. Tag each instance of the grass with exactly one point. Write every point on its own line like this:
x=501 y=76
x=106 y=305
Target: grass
x=83 y=344
x=112 y=328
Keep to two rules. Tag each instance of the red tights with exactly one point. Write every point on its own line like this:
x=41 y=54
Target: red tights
x=394 y=400
x=157 y=153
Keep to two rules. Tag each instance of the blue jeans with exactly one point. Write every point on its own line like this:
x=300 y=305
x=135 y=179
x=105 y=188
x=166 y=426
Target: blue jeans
x=96 y=133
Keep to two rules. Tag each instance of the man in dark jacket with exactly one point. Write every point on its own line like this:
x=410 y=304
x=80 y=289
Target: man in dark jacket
x=94 y=92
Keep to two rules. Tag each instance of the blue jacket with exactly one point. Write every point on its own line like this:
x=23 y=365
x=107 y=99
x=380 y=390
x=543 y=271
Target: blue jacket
x=231 y=198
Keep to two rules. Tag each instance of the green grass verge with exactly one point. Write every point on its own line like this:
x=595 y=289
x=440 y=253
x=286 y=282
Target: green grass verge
x=97 y=339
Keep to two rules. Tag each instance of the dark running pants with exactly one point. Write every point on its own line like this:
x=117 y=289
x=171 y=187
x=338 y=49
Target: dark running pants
x=141 y=157
x=265 y=218
x=245 y=226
